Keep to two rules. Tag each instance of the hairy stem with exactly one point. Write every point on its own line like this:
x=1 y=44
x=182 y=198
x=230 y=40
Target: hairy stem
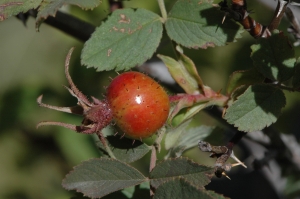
x=107 y=148
x=109 y=151
x=154 y=150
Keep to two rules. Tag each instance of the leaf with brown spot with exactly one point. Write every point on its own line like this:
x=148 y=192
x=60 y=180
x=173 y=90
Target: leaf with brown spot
x=132 y=37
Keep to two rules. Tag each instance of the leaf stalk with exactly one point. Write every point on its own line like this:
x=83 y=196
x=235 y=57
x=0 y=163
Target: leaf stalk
x=162 y=8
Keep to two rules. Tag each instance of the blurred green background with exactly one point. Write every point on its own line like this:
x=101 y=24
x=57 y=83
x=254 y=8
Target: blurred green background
x=34 y=161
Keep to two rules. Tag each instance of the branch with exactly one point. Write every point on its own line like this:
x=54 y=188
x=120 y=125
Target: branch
x=69 y=24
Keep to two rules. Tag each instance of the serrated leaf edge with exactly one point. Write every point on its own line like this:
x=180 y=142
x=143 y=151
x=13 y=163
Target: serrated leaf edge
x=102 y=158
x=180 y=158
x=248 y=131
x=200 y=188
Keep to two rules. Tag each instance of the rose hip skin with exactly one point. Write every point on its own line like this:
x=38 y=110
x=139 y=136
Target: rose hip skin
x=136 y=102
x=140 y=105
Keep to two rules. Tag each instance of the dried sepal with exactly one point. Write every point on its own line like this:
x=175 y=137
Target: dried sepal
x=222 y=153
x=96 y=113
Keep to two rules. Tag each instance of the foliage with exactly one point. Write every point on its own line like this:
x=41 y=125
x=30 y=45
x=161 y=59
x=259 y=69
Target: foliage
x=253 y=98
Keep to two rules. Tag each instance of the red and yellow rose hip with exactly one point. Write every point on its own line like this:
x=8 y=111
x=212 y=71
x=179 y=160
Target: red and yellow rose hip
x=138 y=105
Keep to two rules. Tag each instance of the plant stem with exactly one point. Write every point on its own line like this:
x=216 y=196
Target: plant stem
x=286 y=88
x=156 y=147
x=154 y=150
x=162 y=8
x=107 y=148
x=109 y=151
x=152 y=158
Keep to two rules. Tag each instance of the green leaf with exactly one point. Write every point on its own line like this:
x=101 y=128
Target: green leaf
x=10 y=8
x=185 y=109
x=257 y=108
x=98 y=177
x=180 y=73
x=189 y=105
x=198 y=24
x=236 y=93
x=180 y=139
x=246 y=77
x=125 y=150
x=296 y=77
x=50 y=7
x=140 y=190
x=184 y=72
x=274 y=57
x=128 y=38
x=173 y=135
x=178 y=188
x=194 y=173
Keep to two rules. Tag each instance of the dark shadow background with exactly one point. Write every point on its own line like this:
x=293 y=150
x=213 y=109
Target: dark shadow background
x=34 y=161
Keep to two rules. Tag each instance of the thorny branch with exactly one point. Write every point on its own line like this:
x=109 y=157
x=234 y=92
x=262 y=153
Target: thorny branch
x=239 y=12
x=68 y=24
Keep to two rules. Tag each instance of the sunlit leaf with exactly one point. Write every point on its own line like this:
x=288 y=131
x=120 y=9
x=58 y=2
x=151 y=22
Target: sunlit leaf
x=128 y=38
x=50 y=7
x=179 y=71
x=10 y=8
